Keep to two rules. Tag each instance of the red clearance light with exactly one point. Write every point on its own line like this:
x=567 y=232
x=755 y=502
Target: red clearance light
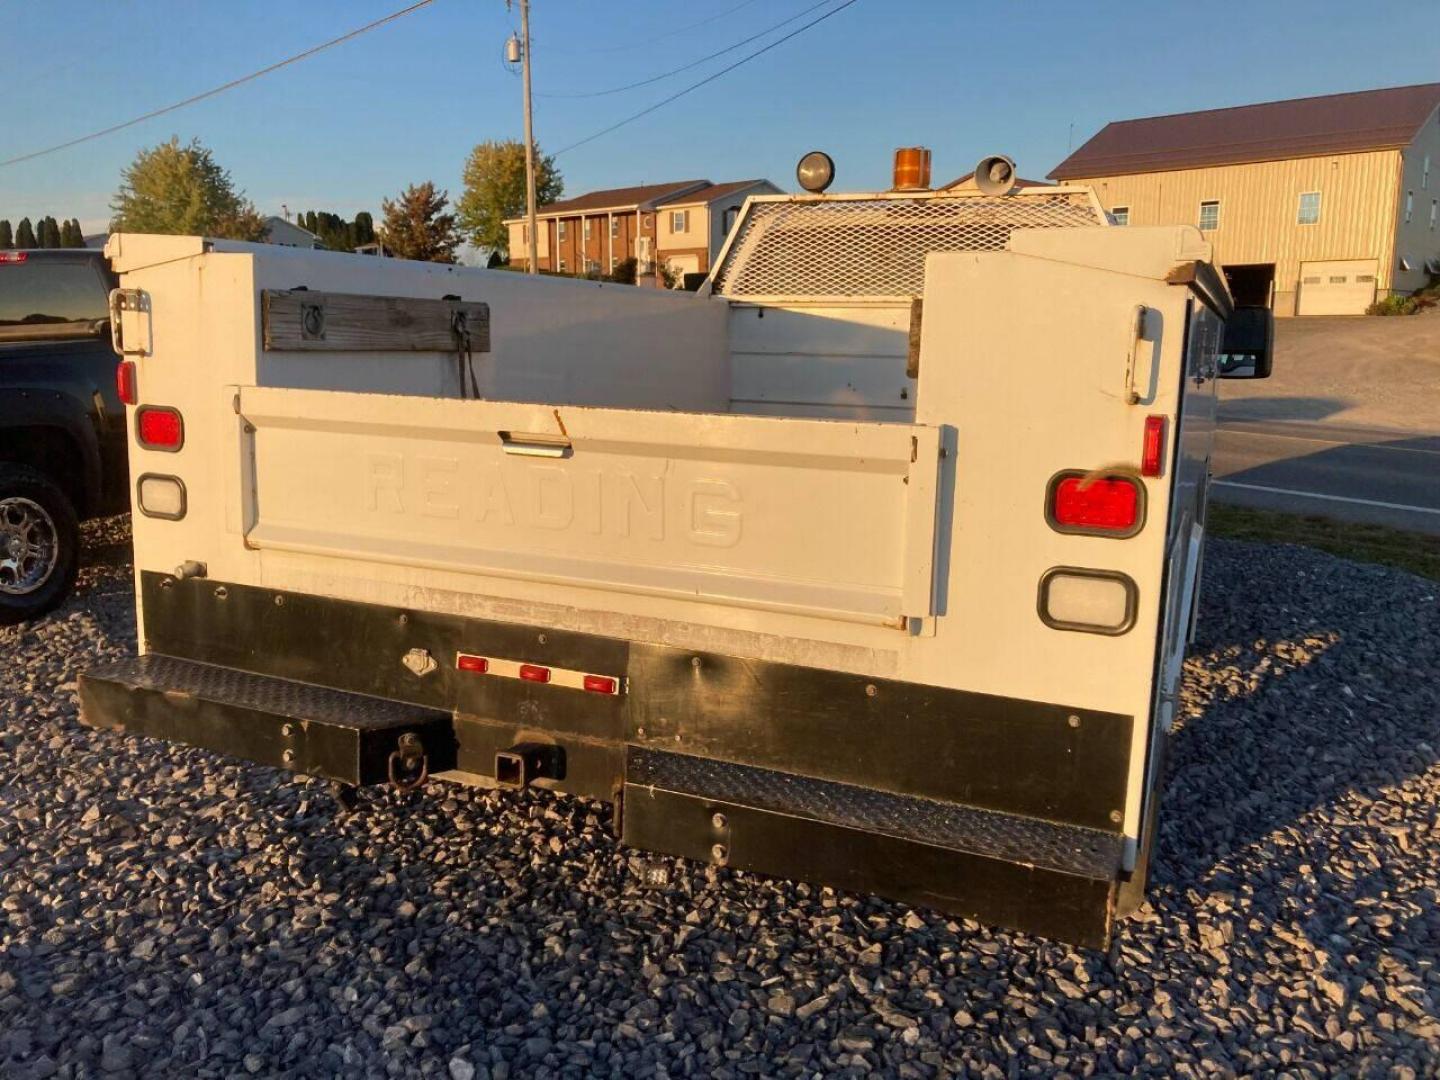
x=126 y=384
x=159 y=428
x=600 y=684
x=534 y=673
x=478 y=664
x=13 y=256
x=1152 y=450
x=1107 y=505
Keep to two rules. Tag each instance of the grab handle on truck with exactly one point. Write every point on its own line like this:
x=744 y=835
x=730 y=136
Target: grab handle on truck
x=541 y=445
x=1132 y=356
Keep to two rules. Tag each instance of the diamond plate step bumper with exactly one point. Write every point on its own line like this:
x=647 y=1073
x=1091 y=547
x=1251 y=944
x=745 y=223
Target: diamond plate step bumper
x=1048 y=877
x=340 y=736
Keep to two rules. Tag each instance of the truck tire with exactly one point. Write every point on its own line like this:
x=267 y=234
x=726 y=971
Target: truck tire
x=39 y=544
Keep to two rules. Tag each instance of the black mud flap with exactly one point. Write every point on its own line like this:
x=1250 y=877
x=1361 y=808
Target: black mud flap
x=1046 y=878
x=348 y=738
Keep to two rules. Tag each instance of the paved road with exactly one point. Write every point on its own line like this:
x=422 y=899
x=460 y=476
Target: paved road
x=1348 y=426
x=1360 y=474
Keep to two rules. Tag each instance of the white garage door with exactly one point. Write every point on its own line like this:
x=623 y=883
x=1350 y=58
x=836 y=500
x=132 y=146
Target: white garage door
x=1336 y=287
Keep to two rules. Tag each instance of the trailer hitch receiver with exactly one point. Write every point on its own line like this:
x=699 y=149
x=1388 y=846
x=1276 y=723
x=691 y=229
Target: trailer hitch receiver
x=525 y=763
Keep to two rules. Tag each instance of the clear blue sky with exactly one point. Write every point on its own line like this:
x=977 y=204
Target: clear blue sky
x=405 y=103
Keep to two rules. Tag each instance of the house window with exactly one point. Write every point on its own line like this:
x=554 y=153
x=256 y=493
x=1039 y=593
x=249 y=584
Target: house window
x=1309 y=208
x=562 y=263
x=1312 y=280
x=1365 y=279
x=587 y=228
x=525 y=234
x=560 y=230
x=1120 y=215
x=731 y=213
x=680 y=221
x=1337 y=279
x=614 y=228
x=1210 y=214
x=1409 y=206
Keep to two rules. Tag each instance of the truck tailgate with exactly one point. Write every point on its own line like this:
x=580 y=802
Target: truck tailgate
x=815 y=517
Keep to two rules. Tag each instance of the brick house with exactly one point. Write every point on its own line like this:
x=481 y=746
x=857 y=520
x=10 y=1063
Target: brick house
x=682 y=224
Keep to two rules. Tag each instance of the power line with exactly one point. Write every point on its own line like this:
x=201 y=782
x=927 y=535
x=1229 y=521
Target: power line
x=694 y=63
x=708 y=79
x=630 y=46
x=221 y=89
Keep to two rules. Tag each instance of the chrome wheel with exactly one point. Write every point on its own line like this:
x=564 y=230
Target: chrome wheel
x=29 y=546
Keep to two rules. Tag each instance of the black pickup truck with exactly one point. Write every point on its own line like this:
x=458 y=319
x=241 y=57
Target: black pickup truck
x=62 y=424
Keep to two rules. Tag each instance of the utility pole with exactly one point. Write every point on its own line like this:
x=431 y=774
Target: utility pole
x=533 y=265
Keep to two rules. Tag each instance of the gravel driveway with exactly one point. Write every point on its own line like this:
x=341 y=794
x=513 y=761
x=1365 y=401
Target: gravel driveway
x=168 y=913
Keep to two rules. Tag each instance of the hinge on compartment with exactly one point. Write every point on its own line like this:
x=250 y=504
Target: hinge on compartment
x=138 y=302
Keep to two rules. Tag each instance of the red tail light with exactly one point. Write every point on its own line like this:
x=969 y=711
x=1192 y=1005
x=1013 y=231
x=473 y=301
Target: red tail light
x=1108 y=505
x=1152 y=451
x=600 y=684
x=534 y=673
x=13 y=256
x=159 y=428
x=477 y=664
x=126 y=384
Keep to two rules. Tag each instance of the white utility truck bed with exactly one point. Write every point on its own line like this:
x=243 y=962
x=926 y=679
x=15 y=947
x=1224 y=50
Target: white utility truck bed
x=872 y=563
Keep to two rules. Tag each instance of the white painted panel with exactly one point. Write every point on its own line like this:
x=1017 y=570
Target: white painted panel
x=1336 y=287
x=839 y=360
x=812 y=517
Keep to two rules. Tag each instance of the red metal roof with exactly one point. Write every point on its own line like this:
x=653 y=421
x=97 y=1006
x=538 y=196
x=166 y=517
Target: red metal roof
x=1302 y=127
x=709 y=193
x=616 y=198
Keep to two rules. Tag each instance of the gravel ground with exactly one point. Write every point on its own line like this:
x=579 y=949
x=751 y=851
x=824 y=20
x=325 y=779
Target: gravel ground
x=165 y=912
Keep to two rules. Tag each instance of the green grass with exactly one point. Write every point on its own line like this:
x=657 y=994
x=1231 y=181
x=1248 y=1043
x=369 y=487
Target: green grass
x=1416 y=552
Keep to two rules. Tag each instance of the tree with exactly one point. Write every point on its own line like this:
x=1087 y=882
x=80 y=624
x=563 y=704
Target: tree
x=25 y=234
x=172 y=188
x=364 y=228
x=49 y=232
x=7 y=235
x=415 y=226
x=494 y=179
x=76 y=234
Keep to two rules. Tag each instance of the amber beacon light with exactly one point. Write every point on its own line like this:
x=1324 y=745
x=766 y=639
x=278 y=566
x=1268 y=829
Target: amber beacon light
x=912 y=168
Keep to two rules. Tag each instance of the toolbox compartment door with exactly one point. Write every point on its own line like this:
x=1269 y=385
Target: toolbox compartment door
x=816 y=517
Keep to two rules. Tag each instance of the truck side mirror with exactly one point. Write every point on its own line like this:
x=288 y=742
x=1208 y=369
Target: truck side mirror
x=1247 y=349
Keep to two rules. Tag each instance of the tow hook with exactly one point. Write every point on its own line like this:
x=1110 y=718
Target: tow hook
x=408 y=766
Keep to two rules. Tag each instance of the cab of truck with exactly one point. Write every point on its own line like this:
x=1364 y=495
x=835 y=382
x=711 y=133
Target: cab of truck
x=63 y=444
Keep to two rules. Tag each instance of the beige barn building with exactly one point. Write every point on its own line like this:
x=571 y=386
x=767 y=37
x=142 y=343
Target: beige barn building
x=1319 y=204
